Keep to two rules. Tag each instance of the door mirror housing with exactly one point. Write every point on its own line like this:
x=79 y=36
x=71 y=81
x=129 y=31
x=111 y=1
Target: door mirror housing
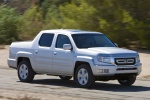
x=67 y=47
x=116 y=44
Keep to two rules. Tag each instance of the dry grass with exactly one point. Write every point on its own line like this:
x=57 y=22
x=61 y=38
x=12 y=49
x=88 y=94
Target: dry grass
x=19 y=98
x=26 y=98
x=147 y=76
x=1 y=96
x=2 y=46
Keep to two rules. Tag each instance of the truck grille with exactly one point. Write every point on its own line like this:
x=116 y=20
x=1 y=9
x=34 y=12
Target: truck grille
x=124 y=61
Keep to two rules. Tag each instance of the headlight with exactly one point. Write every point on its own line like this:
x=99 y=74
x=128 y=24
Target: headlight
x=104 y=59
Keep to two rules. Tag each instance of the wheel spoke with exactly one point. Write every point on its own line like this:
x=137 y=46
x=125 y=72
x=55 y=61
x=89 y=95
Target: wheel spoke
x=83 y=71
x=86 y=77
x=80 y=80
x=23 y=71
x=21 y=75
x=85 y=81
x=26 y=71
x=82 y=76
x=21 y=68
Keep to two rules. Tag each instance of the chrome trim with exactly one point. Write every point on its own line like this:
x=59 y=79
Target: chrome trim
x=125 y=61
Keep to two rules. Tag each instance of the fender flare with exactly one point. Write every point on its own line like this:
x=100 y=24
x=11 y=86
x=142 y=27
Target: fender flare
x=85 y=59
x=26 y=55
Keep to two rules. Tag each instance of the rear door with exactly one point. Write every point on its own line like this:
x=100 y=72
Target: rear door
x=43 y=53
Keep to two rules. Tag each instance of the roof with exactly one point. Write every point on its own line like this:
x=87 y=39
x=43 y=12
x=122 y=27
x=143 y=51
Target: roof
x=71 y=31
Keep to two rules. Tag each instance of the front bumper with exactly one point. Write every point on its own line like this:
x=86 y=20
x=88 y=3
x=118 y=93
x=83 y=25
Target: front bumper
x=110 y=70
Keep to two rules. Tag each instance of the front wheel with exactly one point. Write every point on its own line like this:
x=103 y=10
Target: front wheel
x=25 y=71
x=65 y=77
x=84 y=76
x=128 y=81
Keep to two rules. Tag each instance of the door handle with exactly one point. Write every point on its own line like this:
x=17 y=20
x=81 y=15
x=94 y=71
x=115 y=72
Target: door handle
x=36 y=51
x=55 y=53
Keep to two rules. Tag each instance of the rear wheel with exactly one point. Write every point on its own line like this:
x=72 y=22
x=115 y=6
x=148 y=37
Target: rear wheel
x=25 y=71
x=84 y=76
x=128 y=81
x=65 y=77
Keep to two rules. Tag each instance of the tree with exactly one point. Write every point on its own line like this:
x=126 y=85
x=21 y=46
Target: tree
x=8 y=24
x=78 y=16
x=30 y=23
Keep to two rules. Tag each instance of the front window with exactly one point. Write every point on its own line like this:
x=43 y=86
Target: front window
x=91 y=40
x=61 y=40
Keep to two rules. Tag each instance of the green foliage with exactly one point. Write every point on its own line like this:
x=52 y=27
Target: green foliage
x=8 y=25
x=123 y=21
x=77 y=16
x=30 y=23
x=52 y=18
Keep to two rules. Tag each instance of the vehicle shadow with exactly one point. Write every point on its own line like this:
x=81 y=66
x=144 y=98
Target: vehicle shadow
x=119 y=88
x=96 y=86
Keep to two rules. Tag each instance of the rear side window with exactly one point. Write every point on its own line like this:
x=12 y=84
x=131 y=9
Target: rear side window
x=46 y=40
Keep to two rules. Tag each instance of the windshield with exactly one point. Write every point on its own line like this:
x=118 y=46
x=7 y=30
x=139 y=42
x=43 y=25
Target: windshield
x=91 y=40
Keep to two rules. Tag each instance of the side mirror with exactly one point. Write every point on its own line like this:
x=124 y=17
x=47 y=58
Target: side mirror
x=67 y=47
x=116 y=44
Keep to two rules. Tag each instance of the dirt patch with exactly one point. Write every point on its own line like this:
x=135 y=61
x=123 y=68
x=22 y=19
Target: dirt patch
x=23 y=98
x=2 y=46
x=25 y=95
x=147 y=76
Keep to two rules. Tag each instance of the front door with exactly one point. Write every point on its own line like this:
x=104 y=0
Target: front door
x=62 y=59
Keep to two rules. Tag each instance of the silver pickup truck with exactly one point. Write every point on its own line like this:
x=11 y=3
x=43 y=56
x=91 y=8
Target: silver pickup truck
x=84 y=55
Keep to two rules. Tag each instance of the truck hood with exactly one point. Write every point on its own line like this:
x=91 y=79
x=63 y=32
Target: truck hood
x=111 y=51
x=114 y=51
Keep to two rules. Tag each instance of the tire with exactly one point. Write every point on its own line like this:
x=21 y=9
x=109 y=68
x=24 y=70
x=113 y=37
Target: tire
x=127 y=81
x=25 y=71
x=84 y=76
x=65 y=77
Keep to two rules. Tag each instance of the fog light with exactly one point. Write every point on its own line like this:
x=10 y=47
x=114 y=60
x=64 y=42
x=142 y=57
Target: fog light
x=103 y=71
x=106 y=70
x=100 y=70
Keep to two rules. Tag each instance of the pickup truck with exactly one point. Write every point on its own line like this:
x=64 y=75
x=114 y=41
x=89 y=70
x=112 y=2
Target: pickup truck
x=84 y=55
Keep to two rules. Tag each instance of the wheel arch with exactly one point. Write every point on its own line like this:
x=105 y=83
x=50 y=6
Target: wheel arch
x=78 y=63
x=21 y=59
x=21 y=55
x=83 y=60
